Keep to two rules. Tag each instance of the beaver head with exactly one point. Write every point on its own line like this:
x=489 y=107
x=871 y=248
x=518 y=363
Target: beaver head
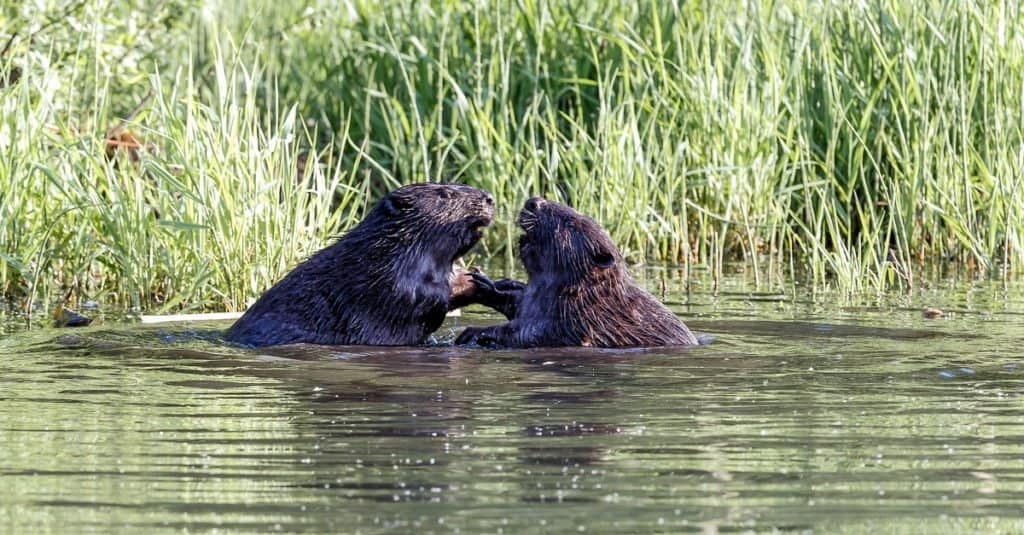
x=564 y=245
x=441 y=221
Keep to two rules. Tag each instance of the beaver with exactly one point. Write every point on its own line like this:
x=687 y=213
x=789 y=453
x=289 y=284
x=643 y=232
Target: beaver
x=578 y=293
x=388 y=281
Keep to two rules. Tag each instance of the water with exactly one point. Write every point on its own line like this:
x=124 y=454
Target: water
x=800 y=416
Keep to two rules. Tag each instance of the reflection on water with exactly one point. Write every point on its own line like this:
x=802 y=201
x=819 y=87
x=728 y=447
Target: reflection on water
x=797 y=417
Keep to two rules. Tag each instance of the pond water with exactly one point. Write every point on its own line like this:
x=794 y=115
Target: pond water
x=800 y=416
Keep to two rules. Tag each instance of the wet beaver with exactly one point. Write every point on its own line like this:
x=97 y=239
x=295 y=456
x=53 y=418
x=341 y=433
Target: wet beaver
x=388 y=281
x=579 y=292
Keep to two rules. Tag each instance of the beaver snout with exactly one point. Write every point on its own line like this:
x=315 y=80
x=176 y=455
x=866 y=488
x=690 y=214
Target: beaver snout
x=470 y=191
x=533 y=203
x=482 y=201
x=528 y=215
x=487 y=210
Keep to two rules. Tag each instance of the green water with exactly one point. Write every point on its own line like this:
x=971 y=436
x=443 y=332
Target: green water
x=800 y=416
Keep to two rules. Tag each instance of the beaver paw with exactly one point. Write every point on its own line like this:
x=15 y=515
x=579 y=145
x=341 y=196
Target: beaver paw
x=509 y=286
x=477 y=336
x=467 y=289
x=502 y=295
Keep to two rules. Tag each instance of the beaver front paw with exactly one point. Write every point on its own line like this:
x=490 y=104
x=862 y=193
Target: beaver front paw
x=503 y=295
x=478 y=336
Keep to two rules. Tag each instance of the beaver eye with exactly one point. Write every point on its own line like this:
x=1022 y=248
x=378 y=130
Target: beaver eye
x=604 y=259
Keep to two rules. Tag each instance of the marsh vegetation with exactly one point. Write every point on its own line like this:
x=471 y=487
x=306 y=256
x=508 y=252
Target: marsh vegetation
x=183 y=154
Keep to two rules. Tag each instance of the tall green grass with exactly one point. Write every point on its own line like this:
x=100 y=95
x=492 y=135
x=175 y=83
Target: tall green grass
x=860 y=145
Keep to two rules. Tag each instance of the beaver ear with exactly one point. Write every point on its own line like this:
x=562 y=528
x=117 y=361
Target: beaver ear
x=394 y=204
x=604 y=259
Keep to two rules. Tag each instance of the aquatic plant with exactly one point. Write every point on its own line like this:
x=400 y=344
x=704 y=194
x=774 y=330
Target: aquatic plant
x=860 y=145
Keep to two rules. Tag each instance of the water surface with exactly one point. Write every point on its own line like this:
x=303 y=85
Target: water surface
x=801 y=416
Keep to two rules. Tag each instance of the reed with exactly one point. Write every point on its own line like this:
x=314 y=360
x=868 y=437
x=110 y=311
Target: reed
x=863 y=146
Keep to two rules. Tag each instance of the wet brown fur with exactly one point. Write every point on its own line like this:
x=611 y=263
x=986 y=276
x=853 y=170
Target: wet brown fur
x=388 y=281
x=579 y=291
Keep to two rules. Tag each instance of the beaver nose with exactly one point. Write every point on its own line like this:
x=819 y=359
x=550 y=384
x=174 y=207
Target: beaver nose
x=533 y=203
x=488 y=200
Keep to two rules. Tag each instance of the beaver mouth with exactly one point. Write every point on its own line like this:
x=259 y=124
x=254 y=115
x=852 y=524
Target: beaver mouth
x=527 y=220
x=477 y=226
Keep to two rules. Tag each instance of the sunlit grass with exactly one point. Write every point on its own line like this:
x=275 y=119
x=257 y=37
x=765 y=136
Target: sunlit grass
x=853 y=145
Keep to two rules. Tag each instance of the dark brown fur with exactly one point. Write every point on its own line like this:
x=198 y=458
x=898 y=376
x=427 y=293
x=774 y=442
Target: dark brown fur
x=579 y=292
x=388 y=281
